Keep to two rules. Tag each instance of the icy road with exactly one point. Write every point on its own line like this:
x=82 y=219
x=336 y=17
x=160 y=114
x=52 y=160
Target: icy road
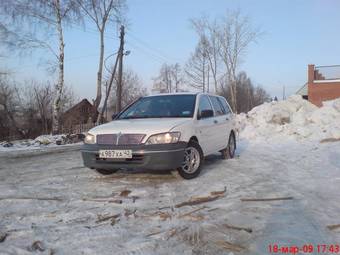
x=51 y=204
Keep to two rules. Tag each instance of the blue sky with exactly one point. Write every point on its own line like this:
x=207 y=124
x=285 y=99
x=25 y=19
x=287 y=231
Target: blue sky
x=296 y=33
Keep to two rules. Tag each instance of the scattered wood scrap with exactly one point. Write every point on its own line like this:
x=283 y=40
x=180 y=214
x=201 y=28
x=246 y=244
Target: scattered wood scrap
x=330 y=140
x=191 y=212
x=221 y=192
x=33 y=198
x=164 y=215
x=333 y=227
x=3 y=237
x=113 y=218
x=265 y=199
x=249 y=230
x=101 y=200
x=230 y=246
x=214 y=195
x=124 y=193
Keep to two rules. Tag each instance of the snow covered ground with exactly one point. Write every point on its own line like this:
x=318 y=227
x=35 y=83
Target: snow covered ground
x=51 y=202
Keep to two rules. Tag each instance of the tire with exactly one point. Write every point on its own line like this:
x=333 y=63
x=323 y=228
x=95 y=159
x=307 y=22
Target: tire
x=229 y=152
x=191 y=168
x=105 y=171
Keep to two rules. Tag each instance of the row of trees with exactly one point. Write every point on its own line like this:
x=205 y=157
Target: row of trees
x=214 y=64
x=28 y=25
x=26 y=110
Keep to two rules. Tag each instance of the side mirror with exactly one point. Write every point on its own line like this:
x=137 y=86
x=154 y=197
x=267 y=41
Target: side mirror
x=114 y=116
x=206 y=114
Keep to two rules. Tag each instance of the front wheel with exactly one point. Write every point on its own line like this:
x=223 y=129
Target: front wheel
x=193 y=158
x=105 y=171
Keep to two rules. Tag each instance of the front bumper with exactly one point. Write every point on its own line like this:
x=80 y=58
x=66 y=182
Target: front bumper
x=150 y=157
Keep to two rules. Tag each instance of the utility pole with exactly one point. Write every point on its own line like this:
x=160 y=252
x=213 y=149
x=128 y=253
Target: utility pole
x=108 y=86
x=284 y=92
x=120 y=71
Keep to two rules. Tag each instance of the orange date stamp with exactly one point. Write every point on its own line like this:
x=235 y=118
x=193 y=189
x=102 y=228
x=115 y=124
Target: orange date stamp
x=306 y=248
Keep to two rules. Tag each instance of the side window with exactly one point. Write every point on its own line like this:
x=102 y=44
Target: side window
x=224 y=104
x=204 y=105
x=217 y=106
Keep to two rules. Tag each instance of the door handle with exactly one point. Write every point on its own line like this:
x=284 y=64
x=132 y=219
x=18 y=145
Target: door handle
x=215 y=121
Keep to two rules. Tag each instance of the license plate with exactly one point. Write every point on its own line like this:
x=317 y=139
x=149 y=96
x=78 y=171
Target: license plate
x=115 y=154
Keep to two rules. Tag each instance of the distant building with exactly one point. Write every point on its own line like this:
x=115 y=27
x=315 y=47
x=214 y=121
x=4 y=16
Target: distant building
x=323 y=83
x=80 y=113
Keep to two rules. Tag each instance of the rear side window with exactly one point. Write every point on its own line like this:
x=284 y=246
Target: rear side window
x=217 y=106
x=224 y=104
x=204 y=105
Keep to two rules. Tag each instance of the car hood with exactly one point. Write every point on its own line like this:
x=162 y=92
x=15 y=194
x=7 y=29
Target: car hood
x=139 y=126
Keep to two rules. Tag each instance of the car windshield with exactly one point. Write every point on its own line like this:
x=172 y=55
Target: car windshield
x=167 y=106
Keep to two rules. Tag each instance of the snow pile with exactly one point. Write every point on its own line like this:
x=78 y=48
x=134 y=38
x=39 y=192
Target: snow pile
x=294 y=117
x=41 y=142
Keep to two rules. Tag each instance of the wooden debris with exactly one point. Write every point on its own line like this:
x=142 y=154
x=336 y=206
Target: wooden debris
x=164 y=215
x=171 y=233
x=3 y=237
x=265 y=199
x=330 y=140
x=165 y=207
x=195 y=217
x=333 y=227
x=124 y=193
x=230 y=246
x=249 y=230
x=101 y=200
x=33 y=198
x=213 y=209
x=191 y=212
x=113 y=218
x=155 y=233
x=215 y=193
x=200 y=200
x=37 y=246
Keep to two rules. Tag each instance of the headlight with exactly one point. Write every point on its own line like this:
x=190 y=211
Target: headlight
x=89 y=139
x=172 y=137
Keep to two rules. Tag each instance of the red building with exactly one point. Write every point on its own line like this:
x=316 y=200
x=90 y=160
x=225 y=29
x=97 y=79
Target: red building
x=323 y=83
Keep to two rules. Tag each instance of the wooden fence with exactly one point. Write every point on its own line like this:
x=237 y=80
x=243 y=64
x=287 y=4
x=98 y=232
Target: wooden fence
x=77 y=129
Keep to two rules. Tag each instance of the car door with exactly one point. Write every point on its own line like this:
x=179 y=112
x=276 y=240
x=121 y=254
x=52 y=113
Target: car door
x=228 y=114
x=221 y=124
x=205 y=130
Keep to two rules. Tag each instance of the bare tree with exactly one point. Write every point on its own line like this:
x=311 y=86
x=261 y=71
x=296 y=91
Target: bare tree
x=9 y=106
x=235 y=35
x=260 y=96
x=48 y=16
x=208 y=32
x=248 y=95
x=43 y=97
x=197 y=68
x=132 y=89
x=102 y=13
x=169 y=79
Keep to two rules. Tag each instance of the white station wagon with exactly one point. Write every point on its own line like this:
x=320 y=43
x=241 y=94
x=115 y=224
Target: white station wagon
x=163 y=132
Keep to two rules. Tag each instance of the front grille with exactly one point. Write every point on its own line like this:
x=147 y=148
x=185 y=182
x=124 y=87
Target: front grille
x=120 y=139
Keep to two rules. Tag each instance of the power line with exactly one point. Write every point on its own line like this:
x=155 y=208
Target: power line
x=150 y=48
x=152 y=56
